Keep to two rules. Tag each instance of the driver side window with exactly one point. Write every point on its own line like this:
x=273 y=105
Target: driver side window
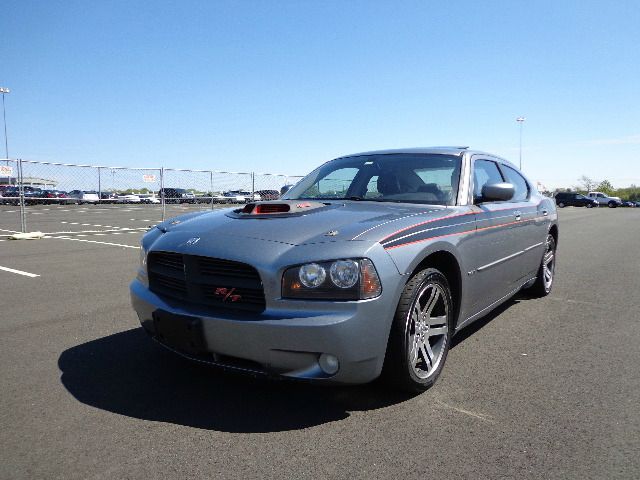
x=484 y=172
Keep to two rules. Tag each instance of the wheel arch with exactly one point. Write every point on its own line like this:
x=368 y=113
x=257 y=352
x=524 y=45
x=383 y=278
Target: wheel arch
x=553 y=230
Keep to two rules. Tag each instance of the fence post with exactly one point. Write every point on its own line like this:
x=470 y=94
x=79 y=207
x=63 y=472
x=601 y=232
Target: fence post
x=23 y=215
x=253 y=186
x=162 y=192
x=99 y=186
x=211 y=188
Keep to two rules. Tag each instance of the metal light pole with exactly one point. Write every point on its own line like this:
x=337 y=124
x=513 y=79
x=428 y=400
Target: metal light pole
x=520 y=120
x=4 y=91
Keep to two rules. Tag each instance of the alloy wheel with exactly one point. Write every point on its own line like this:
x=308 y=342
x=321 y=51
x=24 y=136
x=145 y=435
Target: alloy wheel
x=429 y=330
x=549 y=262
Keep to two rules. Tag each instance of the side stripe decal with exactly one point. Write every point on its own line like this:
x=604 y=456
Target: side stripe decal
x=389 y=247
x=488 y=216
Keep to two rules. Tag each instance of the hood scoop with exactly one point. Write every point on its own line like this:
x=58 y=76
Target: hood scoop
x=277 y=208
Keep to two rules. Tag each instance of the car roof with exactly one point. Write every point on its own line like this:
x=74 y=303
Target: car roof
x=437 y=150
x=453 y=150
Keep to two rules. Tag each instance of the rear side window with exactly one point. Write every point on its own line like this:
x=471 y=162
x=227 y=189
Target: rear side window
x=484 y=172
x=519 y=183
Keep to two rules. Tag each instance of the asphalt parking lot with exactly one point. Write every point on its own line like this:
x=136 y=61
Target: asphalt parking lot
x=544 y=388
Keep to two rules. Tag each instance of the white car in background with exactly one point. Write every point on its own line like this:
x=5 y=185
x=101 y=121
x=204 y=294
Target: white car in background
x=148 y=198
x=241 y=196
x=128 y=198
x=604 y=199
x=83 y=196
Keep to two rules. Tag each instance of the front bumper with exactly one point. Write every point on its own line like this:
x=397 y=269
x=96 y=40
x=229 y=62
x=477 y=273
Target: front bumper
x=286 y=340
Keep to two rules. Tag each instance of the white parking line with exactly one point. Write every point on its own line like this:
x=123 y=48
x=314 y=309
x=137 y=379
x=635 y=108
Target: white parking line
x=94 y=241
x=68 y=232
x=19 y=272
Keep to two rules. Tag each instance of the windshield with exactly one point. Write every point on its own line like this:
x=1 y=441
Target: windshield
x=405 y=177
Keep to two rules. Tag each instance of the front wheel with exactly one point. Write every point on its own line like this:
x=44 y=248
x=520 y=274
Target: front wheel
x=420 y=334
x=546 y=272
x=589 y=205
x=612 y=205
x=561 y=204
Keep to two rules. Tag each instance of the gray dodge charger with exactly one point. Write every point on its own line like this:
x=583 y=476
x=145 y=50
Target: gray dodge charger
x=365 y=268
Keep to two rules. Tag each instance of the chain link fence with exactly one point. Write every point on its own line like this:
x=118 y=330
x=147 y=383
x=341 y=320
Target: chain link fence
x=31 y=190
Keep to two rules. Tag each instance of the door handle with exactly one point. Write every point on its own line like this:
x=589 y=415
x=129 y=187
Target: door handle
x=545 y=212
x=518 y=214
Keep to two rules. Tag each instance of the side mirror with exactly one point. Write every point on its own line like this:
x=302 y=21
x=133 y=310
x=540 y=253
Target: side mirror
x=497 y=192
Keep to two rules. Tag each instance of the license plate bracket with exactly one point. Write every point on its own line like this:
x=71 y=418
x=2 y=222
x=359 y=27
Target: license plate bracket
x=180 y=332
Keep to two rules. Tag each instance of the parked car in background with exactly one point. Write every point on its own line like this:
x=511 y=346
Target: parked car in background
x=51 y=197
x=629 y=203
x=10 y=195
x=148 y=198
x=108 y=197
x=367 y=267
x=177 y=195
x=637 y=203
x=218 y=197
x=572 y=199
x=603 y=199
x=241 y=196
x=267 y=194
x=84 y=196
x=128 y=198
x=32 y=195
x=234 y=196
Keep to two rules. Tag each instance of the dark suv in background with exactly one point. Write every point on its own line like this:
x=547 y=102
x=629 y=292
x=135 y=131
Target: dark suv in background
x=572 y=199
x=177 y=195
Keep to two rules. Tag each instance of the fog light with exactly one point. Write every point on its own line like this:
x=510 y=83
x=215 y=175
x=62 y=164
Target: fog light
x=329 y=363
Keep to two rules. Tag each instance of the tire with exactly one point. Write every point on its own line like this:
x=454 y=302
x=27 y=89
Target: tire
x=561 y=204
x=589 y=205
x=420 y=334
x=546 y=271
x=612 y=204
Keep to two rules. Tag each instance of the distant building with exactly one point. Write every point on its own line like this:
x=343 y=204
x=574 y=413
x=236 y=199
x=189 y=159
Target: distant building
x=43 y=183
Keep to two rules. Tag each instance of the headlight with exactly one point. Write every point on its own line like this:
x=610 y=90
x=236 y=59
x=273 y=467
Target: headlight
x=344 y=273
x=143 y=257
x=347 y=279
x=312 y=275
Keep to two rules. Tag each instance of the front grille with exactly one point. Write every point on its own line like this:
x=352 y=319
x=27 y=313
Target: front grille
x=222 y=285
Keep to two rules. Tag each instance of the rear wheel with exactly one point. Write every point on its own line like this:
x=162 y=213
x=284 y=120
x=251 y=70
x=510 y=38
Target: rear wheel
x=561 y=204
x=546 y=272
x=420 y=334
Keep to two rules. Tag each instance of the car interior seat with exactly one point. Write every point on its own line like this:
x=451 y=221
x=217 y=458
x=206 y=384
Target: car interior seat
x=388 y=183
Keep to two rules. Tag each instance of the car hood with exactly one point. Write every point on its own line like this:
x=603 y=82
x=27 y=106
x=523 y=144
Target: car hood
x=348 y=221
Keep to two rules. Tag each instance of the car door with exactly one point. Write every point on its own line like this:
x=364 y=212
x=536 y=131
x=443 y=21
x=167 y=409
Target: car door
x=498 y=241
x=532 y=226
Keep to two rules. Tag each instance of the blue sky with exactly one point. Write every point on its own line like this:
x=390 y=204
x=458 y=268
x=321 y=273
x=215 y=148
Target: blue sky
x=283 y=86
